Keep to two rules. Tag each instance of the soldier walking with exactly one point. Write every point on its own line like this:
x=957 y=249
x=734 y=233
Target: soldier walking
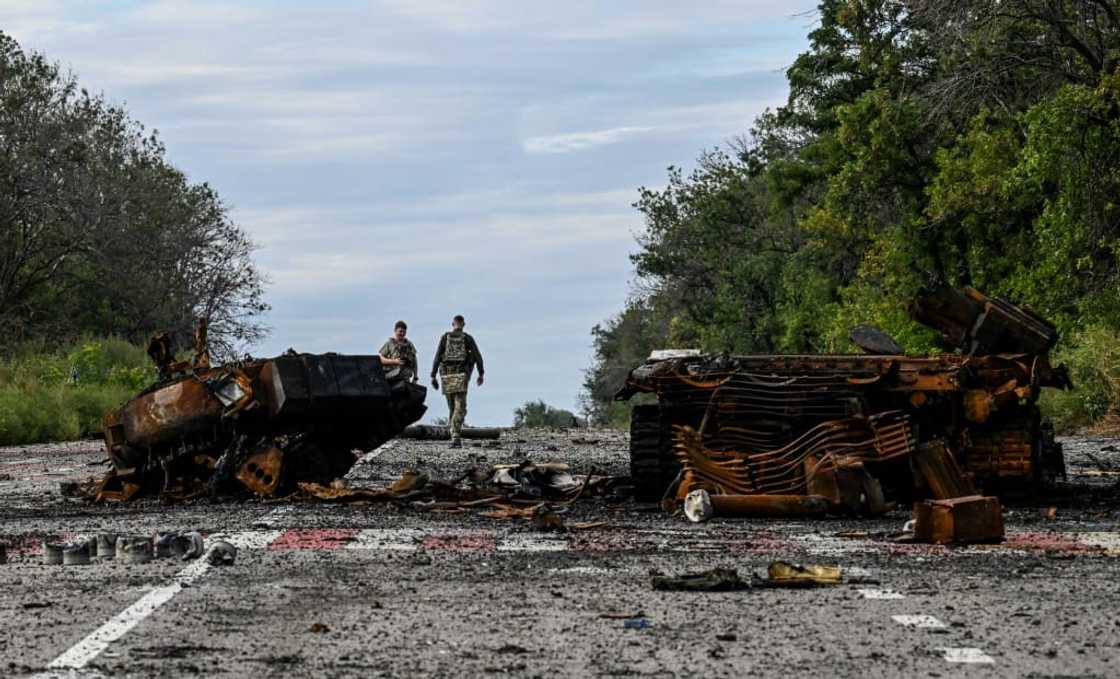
x=400 y=347
x=455 y=359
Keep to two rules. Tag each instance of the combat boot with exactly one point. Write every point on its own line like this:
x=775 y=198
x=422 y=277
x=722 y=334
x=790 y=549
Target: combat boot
x=456 y=443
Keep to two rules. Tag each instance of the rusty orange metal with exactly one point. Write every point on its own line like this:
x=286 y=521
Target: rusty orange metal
x=261 y=472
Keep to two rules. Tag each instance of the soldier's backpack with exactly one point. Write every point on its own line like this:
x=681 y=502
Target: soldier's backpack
x=455 y=348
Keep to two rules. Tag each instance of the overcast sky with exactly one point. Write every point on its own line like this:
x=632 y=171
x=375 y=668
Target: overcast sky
x=415 y=159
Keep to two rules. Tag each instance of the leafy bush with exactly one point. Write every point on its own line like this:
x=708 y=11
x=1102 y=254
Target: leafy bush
x=64 y=394
x=1093 y=358
x=540 y=414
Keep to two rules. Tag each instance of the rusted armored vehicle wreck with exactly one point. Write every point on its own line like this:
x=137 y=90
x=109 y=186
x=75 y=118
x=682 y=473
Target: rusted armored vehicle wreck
x=857 y=425
x=259 y=425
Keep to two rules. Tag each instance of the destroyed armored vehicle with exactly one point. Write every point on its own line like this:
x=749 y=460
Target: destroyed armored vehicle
x=794 y=424
x=258 y=425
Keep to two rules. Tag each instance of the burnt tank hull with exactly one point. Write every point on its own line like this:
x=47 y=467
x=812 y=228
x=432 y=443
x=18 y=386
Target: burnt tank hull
x=980 y=402
x=302 y=416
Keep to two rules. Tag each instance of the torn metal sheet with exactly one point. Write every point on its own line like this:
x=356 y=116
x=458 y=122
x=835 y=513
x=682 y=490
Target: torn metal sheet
x=783 y=573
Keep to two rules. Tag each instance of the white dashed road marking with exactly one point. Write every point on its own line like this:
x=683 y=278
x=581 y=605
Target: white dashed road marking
x=372 y=455
x=926 y=621
x=1109 y=541
x=81 y=653
x=967 y=655
x=881 y=594
x=531 y=543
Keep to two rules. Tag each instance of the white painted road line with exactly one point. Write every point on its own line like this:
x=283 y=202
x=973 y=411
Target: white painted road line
x=1109 y=541
x=531 y=543
x=923 y=621
x=250 y=539
x=881 y=594
x=81 y=653
x=372 y=455
x=967 y=655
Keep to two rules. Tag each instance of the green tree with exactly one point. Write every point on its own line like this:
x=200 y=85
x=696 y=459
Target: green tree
x=923 y=141
x=99 y=233
x=540 y=414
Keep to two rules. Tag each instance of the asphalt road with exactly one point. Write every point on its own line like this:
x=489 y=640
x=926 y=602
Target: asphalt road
x=326 y=590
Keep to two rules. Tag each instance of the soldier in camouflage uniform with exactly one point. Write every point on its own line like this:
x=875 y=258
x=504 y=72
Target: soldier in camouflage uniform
x=400 y=347
x=455 y=359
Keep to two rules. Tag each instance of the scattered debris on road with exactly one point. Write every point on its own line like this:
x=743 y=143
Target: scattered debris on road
x=714 y=580
x=785 y=574
x=534 y=491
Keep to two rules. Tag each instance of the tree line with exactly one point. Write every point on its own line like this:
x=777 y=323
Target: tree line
x=100 y=235
x=922 y=141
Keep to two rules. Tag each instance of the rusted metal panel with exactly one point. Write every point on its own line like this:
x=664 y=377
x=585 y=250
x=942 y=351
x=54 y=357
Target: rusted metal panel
x=261 y=472
x=961 y=520
x=181 y=409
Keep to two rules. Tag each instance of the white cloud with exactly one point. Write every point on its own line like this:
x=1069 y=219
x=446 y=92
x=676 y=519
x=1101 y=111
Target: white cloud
x=580 y=141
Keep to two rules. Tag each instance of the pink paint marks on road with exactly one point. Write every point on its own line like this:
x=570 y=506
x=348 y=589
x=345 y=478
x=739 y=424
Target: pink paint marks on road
x=314 y=538
x=1048 y=541
x=31 y=544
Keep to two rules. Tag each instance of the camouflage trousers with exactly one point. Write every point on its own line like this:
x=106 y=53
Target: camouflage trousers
x=456 y=413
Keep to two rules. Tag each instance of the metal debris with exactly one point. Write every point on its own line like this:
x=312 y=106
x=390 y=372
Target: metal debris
x=533 y=491
x=714 y=580
x=52 y=553
x=76 y=553
x=221 y=553
x=785 y=574
x=107 y=545
x=256 y=426
x=866 y=432
x=962 y=520
x=699 y=505
x=134 y=549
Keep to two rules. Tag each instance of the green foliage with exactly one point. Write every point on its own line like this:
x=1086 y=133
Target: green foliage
x=1093 y=358
x=99 y=233
x=967 y=143
x=540 y=414
x=64 y=394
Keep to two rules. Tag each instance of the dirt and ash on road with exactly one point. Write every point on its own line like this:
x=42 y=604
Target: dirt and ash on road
x=402 y=589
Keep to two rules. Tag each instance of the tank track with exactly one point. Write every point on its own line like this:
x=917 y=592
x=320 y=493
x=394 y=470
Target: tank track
x=652 y=464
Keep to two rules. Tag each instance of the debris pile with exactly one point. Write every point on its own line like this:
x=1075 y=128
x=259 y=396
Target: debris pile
x=539 y=492
x=256 y=426
x=778 y=435
x=779 y=574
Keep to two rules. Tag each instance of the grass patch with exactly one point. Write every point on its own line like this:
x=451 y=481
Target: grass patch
x=62 y=394
x=1093 y=358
